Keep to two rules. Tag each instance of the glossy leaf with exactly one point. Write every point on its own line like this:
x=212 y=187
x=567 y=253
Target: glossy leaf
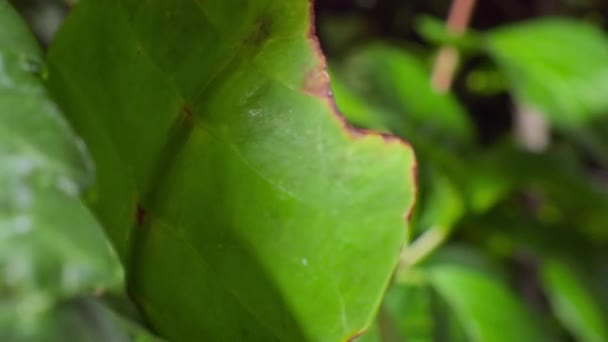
x=243 y=206
x=487 y=310
x=573 y=303
x=51 y=247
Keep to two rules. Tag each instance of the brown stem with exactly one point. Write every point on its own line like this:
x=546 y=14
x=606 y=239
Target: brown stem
x=447 y=57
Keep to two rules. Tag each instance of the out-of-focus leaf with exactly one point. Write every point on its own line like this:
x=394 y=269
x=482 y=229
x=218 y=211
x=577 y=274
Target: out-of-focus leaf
x=486 y=80
x=447 y=325
x=465 y=256
x=409 y=308
x=557 y=66
x=417 y=311
x=554 y=175
x=564 y=285
x=441 y=203
x=498 y=172
x=356 y=110
x=398 y=84
x=487 y=310
x=441 y=206
x=573 y=303
x=85 y=319
x=51 y=247
x=340 y=33
x=242 y=205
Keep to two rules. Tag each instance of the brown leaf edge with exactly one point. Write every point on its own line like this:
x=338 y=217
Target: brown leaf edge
x=317 y=83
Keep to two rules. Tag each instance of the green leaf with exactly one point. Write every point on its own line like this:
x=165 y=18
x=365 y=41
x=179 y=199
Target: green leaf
x=441 y=202
x=85 y=319
x=409 y=308
x=573 y=303
x=557 y=66
x=405 y=315
x=51 y=247
x=554 y=175
x=242 y=205
x=82 y=319
x=356 y=110
x=397 y=85
x=487 y=310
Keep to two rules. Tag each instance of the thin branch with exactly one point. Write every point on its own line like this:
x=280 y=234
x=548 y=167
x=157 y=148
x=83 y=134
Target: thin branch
x=447 y=57
x=423 y=246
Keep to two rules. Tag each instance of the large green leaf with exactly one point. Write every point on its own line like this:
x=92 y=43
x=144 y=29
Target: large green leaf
x=51 y=247
x=486 y=309
x=573 y=303
x=557 y=66
x=244 y=207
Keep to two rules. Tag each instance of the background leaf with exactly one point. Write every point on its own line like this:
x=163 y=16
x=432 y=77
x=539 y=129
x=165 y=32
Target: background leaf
x=486 y=309
x=573 y=302
x=397 y=84
x=557 y=66
x=51 y=247
x=409 y=307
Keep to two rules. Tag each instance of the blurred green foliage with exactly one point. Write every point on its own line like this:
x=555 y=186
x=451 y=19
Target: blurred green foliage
x=505 y=237
x=55 y=260
x=508 y=244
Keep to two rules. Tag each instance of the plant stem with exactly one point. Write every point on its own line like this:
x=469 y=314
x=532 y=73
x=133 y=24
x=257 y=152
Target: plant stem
x=423 y=246
x=447 y=57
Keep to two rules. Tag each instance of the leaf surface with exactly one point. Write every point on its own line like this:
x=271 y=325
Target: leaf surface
x=243 y=206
